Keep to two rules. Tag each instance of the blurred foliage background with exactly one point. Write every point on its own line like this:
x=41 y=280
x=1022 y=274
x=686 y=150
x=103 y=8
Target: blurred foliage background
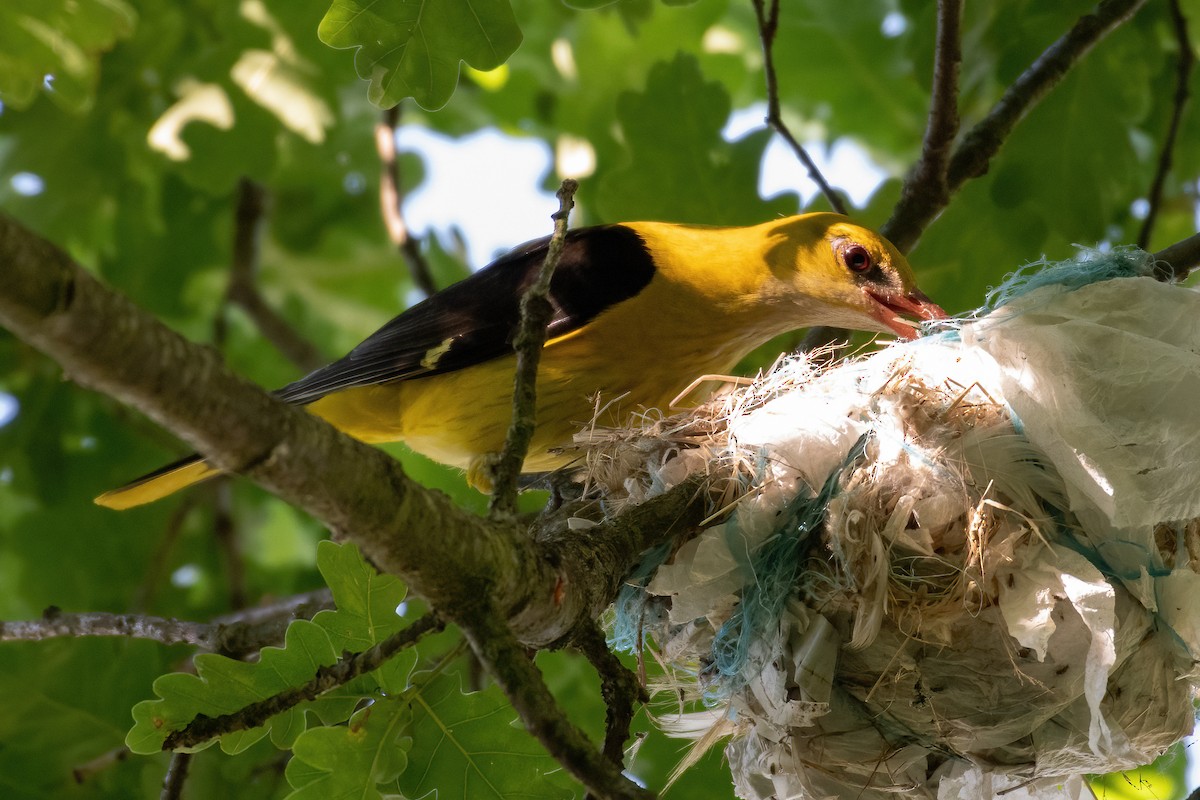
x=126 y=126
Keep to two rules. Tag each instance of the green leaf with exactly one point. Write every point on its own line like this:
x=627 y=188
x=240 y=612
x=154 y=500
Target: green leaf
x=680 y=169
x=412 y=48
x=222 y=686
x=351 y=760
x=365 y=615
x=465 y=746
x=58 y=38
x=366 y=600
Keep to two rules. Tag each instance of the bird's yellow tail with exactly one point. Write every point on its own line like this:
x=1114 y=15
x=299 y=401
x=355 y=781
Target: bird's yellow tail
x=158 y=484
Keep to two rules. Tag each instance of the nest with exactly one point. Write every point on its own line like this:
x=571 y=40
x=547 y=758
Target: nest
x=946 y=569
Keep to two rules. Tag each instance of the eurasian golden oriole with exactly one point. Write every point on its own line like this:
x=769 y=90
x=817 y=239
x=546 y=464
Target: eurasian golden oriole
x=640 y=310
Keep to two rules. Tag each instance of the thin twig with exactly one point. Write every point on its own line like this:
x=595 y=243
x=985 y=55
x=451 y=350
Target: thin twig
x=251 y=212
x=1183 y=73
x=1175 y=262
x=619 y=687
x=55 y=624
x=768 y=26
x=927 y=183
x=203 y=728
x=391 y=202
x=234 y=634
x=531 y=336
x=249 y=630
x=176 y=776
x=518 y=677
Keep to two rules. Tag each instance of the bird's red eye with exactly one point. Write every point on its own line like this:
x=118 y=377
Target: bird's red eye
x=856 y=258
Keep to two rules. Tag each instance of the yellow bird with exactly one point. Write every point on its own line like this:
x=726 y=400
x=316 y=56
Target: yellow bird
x=640 y=310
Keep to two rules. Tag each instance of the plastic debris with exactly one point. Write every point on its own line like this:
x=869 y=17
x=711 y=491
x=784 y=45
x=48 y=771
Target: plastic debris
x=962 y=567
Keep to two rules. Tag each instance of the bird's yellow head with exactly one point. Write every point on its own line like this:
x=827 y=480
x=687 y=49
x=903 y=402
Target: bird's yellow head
x=859 y=277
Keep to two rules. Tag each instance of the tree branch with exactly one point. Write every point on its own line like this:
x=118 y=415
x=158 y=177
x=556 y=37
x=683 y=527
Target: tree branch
x=1183 y=74
x=618 y=686
x=391 y=202
x=536 y=312
x=545 y=585
x=522 y=683
x=927 y=183
x=176 y=776
x=105 y=342
x=203 y=728
x=54 y=624
x=974 y=153
x=234 y=634
x=1175 y=262
x=768 y=26
x=252 y=202
x=249 y=630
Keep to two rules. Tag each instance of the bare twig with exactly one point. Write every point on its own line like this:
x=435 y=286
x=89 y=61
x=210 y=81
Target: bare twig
x=927 y=183
x=531 y=335
x=203 y=728
x=243 y=290
x=768 y=26
x=297 y=606
x=522 y=683
x=974 y=153
x=235 y=634
x=56 y=624
x=176 y=776
x=391 y=201
x=1183 y=73
x=249 y=630
x=1176 y=261
x=619 y=687
x=975 y=150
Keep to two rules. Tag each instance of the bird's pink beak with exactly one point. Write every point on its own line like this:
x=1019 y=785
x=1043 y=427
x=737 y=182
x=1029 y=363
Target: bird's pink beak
x=888 y=309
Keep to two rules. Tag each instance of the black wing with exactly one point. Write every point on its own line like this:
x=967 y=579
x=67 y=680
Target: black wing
x=475 y=320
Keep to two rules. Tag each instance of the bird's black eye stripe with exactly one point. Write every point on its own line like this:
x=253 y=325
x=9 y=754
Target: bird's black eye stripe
x=855 y=257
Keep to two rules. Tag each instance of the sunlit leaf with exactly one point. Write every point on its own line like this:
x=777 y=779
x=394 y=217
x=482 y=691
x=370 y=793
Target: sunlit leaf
x=679 y=168
x=412 y=48
x=54 y=46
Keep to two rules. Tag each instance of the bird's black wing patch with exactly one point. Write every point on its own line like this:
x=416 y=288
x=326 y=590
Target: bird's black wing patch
x=475 y=320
